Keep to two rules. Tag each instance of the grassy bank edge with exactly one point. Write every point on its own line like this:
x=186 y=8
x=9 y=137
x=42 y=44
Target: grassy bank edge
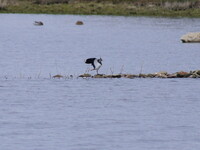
x=92 y=8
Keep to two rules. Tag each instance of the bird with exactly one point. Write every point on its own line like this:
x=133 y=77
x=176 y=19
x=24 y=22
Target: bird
x=96 y=63
x=38 y=23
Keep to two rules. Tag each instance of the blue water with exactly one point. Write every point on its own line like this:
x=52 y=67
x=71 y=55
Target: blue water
x=38 y=112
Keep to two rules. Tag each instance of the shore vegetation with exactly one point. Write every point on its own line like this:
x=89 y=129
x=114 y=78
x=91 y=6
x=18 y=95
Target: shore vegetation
x=166 y=8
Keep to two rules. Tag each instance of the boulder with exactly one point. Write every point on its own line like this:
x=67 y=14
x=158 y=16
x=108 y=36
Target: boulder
x=162 y=74
x=173 y=75
x=191 y=37
x=196 y=72
x=182 y=74
x=79 y=23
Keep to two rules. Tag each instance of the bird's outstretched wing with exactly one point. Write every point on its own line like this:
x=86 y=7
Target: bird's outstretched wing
x=90 y=60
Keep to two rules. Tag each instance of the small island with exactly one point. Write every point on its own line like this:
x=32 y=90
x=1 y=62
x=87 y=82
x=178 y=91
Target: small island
x=162 y=74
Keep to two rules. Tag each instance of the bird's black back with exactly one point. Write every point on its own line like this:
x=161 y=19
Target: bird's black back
x=90 y=60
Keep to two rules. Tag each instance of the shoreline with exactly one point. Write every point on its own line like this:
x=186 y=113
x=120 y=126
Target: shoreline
x=94 y=8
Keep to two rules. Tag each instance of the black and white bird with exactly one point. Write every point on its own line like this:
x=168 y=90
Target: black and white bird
x=38 y=23
x=96 y=63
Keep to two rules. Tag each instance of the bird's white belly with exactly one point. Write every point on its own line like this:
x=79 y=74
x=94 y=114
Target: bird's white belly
x=97 y=65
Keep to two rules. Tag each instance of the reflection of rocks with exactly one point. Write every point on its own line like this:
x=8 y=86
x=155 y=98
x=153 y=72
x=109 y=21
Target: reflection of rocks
x=191 y=37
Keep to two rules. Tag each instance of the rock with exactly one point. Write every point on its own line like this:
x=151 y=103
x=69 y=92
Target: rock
x=173 y=75
x=142 y=75
x=197 y=72
x=182 y=74
x=115 y=76
x=151 y=75
x=191 y=37
x=194 y=75
x=130 y=76
x=100 y=76
x=161 y=74
x=85 y=75
x=79 y=23
x=58 y=76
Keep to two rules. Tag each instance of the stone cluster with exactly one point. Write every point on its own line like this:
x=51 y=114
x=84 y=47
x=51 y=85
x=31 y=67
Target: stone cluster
x=180 y=74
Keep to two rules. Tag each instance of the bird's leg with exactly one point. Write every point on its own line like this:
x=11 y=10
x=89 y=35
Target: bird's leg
x=97 y=72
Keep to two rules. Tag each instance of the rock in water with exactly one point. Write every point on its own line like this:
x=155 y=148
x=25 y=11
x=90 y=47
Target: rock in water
x=79 y=23
x=191 y=37
x=58 y=76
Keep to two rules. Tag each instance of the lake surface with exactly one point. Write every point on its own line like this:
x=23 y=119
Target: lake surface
x=41 y=113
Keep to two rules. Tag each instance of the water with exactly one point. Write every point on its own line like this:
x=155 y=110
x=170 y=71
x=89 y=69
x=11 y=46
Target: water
x=40 y=113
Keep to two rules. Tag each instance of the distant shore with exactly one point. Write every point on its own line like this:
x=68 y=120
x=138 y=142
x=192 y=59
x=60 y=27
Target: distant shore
x=104 y=8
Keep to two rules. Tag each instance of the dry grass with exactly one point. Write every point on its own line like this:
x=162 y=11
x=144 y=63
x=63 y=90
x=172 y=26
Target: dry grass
x=5 y=3
x=181 y=5
x=168 y=8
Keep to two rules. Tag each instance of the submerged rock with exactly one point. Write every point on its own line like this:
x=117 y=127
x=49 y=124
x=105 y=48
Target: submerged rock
x=191 y=37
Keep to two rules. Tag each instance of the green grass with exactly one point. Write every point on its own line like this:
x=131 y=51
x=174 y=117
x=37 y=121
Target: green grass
x=101 y=8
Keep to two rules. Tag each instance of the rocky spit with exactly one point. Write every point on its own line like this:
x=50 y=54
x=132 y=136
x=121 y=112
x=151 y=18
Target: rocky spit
x=192 y=37
x=163 y=74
